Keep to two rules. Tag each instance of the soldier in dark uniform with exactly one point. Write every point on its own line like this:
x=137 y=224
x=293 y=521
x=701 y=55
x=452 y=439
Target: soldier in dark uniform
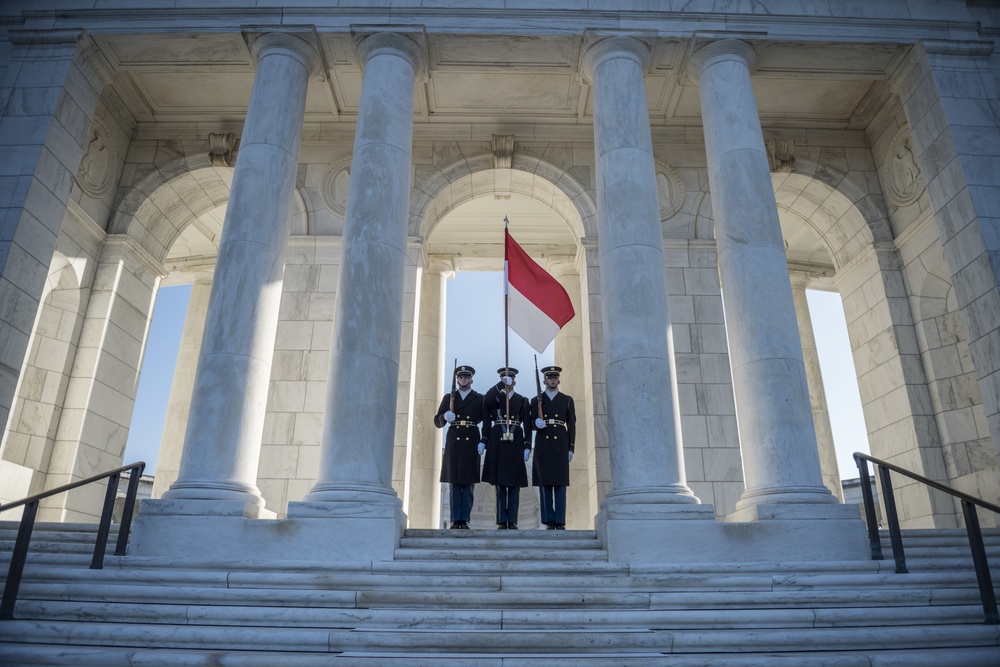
x=555 y=435
x=462 y=410
x=507 y=436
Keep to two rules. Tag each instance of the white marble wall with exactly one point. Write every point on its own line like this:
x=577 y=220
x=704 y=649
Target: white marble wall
x=93 y=427
x=289 y=458
x=27 y=444
x=949 y=96
x=704 y=380
x=50 y=90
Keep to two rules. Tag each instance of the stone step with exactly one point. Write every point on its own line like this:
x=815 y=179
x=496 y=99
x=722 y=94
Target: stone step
x=515 y=553
x=485 y=598
x=25 y=655
x=491 y=619
x=504 y=642
x=524 y=541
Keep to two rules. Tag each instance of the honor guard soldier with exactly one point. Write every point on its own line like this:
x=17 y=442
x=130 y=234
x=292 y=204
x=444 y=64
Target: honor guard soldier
x=462 y=410
x=555 y=435
x=507 y=445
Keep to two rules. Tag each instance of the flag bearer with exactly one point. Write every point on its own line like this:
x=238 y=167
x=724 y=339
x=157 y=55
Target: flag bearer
x=555 y=435
x=507 y=445
x=462 y=410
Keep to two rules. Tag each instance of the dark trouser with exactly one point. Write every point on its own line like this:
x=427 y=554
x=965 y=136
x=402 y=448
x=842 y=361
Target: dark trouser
x=507 y=501
x=553 y=501
x=461 y=501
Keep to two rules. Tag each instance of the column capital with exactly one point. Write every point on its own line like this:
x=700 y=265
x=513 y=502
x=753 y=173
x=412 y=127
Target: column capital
x=298 y=46
x=395 y=43
x=618 y=46
x=721 y=50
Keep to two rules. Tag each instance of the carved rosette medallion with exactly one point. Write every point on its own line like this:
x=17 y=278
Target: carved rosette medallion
x=669 y=189
x=900 y=173
x=96 y=175
x=335 y=185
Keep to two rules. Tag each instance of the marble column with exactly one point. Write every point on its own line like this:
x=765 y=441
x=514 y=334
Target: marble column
x=222 y=444
x=780 y=459
x=182 y=386
x=358 y=433
x=647 y=464
x=817 y=394
x=425 y=466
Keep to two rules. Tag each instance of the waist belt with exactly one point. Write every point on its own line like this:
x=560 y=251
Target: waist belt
x=459 y=422
x=506 y=422
x=555 y=422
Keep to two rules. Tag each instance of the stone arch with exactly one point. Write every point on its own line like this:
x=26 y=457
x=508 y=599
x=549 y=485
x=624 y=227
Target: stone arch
x=844 y=214
x=460 y=181
x=967 y=453
x=157 y=209
x=44 y=377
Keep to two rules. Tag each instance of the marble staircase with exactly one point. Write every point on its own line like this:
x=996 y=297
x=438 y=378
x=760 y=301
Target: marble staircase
x=496 y=598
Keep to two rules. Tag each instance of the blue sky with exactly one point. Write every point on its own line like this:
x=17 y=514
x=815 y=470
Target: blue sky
x=475 y=335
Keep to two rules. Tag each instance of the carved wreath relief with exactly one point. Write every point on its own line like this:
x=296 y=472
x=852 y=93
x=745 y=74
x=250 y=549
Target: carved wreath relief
x=335 y=185
x=669 y=190
x=903 y=181
x=96 y=174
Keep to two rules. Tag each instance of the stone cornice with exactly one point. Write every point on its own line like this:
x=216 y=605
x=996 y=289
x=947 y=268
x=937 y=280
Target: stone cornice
x=570 y=16
x=128 y=247
x=848 y=273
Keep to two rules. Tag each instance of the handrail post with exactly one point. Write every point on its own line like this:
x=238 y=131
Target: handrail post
x=981 y=564
x=127 y=510
x=874 y=542
x=17 y=558
x=890 y=514
x=104 y=528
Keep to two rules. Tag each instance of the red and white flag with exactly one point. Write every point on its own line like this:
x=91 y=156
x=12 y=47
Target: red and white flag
x=537 y=305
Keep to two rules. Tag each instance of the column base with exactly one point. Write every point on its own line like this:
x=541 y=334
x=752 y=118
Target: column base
x=193 y=530
x=691 y=534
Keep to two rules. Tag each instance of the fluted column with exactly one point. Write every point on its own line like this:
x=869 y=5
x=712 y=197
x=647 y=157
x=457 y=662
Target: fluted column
x=226 y=422
x=357 y=446
x=424 y=507
x=182 y=386
x=643 y=418
x=817 y=394
x=780 y=458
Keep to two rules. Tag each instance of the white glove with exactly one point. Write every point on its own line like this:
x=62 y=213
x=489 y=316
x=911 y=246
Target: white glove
x=507 y=380
x=539 y=423
x=571 y=457
x=527 y=453
x=449 y=416
x=482 y=448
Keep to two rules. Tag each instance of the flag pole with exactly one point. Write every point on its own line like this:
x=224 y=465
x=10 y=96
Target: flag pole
x=506 y=309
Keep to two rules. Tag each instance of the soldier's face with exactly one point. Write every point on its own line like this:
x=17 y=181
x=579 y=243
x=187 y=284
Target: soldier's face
x=464 y=381
x=551 y=381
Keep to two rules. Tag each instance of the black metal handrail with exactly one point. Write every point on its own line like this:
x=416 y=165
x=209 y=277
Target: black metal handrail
x=27 y=525
x=972 y=527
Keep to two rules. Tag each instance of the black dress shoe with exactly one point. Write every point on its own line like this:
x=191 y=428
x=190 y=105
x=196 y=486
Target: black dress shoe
x=550 y=526
x=512 y=526
x=501 y=526
x=463 y=524
x=454 y=524
x=560 y=526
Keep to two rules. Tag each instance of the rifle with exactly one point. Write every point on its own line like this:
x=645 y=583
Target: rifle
x=538 y=385
x=454 y=386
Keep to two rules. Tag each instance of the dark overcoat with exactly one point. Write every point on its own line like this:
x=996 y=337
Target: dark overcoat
x=460 y=463
x=550 y=466
x=504 y=461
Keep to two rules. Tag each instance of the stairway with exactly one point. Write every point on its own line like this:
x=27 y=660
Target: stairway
x=492 y=598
